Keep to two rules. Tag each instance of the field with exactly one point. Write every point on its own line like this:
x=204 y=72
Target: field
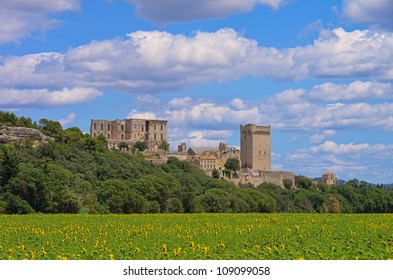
x=197 y=236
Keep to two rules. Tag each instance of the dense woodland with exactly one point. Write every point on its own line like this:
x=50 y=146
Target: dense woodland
x=75 y=173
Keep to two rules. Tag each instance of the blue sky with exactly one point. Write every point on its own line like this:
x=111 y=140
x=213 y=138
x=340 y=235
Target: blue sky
x=319 y=72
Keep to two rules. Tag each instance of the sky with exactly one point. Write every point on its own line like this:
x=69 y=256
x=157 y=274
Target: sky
x=319 y=72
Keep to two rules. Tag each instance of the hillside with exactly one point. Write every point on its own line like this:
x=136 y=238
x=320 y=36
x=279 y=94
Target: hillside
x=74 y=173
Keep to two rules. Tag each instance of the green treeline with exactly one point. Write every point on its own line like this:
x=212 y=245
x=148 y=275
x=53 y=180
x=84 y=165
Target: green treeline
x=78 y=174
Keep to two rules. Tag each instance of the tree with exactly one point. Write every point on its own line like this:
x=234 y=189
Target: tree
x=304 y=182
x=215 y=174
x=9 y=167
x=232 y=164
x=140 y=146
x=50 y=128
x=216 y=201
x=123 y=146
x=164 y=146
x=287 y=183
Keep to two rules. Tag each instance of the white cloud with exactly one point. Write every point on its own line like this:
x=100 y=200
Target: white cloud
x=357 y=90
x=212 y=114
x=366 y=11
x=142 y=115
x=238 y=104
x=19 y=18
x=183 y=11
x=320 y=137
x=302 y=109
x=207 y=138
x=333 y=148
x=69 y=119
x=360 y=160
x=44 y=97
x=150 y=62
x=180 y=103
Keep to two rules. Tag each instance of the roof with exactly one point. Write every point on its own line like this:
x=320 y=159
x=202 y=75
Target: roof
x=200 y=150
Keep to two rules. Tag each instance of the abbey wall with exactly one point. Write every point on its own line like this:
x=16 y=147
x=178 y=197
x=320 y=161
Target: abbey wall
x=254 y=154
x=130 y=131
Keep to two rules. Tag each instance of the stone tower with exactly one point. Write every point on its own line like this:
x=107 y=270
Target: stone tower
x=255 y=147
x=329 y=178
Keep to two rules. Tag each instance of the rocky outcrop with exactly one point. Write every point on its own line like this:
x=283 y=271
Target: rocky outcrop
x=21 y=134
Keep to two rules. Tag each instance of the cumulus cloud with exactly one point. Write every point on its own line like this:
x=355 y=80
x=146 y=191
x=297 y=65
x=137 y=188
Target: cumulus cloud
x=376 y=12
x=183 y=11
x=151 y=62
x=19 y=18
x=323 y=107
x=156 y=61
x=44 y=97
x=69 y=119
x=348 y=160
x=142 y=115
x=357 y=90
x=320 y=137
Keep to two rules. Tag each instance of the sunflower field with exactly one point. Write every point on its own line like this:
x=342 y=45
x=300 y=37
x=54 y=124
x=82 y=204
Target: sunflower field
x=196 y=236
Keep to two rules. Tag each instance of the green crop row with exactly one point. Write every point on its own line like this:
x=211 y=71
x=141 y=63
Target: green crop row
x=197 y=236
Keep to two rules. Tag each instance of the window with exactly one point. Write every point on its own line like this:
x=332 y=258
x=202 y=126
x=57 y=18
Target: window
x=162 y=137
x=162 y=127
x=122 y=127
x=109 y=136
x=155 y=136
x=102 y=127
x=122 y=137
x=109 y=127
x=155 y=126
x=95 y=126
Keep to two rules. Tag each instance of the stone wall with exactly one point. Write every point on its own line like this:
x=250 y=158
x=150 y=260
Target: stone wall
x=256 y=177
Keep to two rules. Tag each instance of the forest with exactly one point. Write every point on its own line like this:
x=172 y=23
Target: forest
x=75 y=173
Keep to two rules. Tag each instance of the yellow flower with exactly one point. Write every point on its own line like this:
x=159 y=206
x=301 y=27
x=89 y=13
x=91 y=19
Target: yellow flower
x=177 y=251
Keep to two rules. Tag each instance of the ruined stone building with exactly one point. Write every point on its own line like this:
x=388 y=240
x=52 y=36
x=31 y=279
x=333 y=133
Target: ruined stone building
x=210 y=158
x=329 y=178
x=255 y=147
x=130 y=131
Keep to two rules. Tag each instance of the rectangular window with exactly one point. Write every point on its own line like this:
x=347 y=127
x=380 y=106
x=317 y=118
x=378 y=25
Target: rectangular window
x=122 y=127
x=109 y=127
x=102 y=127
x=95 y=126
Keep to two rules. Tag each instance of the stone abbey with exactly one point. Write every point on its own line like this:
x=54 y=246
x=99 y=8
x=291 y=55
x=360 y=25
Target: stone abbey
x=254 y=154
x=130 y=131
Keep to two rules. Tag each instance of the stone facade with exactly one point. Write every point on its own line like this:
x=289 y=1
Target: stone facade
x=255 y=147
x=209 y=158
x=130 y=131
x=329 y=178
x=257 y=177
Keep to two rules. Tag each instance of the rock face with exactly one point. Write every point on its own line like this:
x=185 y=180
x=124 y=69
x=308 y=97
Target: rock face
x=20 y=134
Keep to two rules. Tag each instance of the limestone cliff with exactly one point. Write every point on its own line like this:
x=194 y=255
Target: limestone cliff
x=21 y=134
